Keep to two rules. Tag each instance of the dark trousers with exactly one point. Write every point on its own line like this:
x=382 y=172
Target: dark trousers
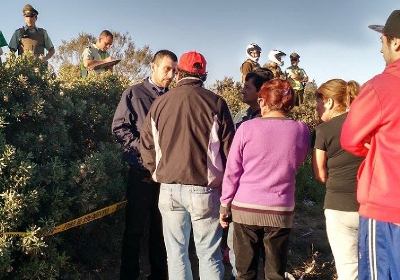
x=299 y=97
x=247 y=242
x=142 y=206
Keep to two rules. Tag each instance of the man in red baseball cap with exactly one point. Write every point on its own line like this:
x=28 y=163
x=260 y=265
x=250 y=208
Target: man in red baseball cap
x=372 y=130
x=184 y=144
x=193 y=63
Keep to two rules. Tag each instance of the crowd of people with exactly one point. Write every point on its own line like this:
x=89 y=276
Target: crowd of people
x=194 y=169
x=217 y=172
x=294 y=74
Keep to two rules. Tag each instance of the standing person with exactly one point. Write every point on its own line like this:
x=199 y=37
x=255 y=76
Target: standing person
x=259 y=182
x=30 y=37
x=372 y=130
x=275 y=63
x=96 y=53
x=252 y=84
x=142 y=192
x=184 y=144
x=297 y=78
x=3 y=43
x=338 y=170
x=253 y=52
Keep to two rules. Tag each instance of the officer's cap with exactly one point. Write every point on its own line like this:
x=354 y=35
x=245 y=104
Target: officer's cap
x=294 y=56
x=28 y=10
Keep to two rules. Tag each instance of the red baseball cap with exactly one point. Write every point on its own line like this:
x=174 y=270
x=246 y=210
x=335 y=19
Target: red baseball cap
x=193 y=62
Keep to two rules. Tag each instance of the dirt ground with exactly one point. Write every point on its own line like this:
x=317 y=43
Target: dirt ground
x=309 y=254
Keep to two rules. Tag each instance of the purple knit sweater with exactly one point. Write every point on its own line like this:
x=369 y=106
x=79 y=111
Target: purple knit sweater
x=259 y=180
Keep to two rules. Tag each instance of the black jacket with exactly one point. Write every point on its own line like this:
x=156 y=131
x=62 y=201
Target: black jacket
x=187 y=135
x=129 y=117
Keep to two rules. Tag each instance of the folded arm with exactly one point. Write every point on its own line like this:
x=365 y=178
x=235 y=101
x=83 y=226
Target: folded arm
x=364 y=116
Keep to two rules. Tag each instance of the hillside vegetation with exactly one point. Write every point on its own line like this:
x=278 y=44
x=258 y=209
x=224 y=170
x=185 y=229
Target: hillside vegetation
x=59 y=161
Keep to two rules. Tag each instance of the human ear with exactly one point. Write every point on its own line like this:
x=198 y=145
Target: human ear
x=396 y=44
x=330 y=103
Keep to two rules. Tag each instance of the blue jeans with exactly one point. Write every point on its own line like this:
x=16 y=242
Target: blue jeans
x=184 y=206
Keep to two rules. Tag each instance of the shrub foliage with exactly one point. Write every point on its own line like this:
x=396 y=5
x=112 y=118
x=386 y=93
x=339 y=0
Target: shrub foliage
x=58 y=161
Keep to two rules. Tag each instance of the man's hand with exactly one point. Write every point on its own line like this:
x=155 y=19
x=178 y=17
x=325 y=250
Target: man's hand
x=108 y=59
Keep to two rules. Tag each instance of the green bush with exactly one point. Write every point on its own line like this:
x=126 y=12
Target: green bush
x=308 y=190
x=58 y=161
x=231 y=91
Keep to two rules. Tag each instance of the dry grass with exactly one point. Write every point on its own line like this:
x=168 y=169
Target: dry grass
x=310 y=256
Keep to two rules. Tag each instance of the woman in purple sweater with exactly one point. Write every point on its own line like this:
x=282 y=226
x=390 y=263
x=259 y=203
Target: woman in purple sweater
x=259 y=182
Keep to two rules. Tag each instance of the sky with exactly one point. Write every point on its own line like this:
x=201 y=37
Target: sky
x=331 y=36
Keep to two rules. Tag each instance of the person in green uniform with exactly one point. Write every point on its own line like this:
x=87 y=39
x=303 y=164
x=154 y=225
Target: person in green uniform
x=96 y=54
x=3 y=43
x=297 y=78
x=30 y=37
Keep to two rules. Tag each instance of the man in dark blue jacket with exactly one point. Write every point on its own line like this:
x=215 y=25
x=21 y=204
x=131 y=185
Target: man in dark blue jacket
x=142 y=192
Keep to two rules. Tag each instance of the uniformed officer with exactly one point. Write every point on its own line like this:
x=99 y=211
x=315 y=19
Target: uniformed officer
x=275 y=62
x=30 y=37
x=297 y=78
x=253 y=52
x=3 y=43
x=96 y=54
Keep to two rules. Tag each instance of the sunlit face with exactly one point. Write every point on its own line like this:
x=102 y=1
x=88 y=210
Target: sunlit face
x=386 y=50
x=323 y=109
x=163 y=72
x=255 y=53
x=105 y=42
x=30 y=20
x=249 y=93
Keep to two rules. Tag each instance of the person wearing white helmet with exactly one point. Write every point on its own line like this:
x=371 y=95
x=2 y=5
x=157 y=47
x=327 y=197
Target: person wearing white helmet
x=253 y=52
x=275 y=58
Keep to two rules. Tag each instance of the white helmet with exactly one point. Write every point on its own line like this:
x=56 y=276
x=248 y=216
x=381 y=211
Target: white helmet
x=252 y=47
x=276 y=56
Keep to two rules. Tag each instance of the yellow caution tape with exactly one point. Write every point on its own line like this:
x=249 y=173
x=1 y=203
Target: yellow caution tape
x=77 y=222
x=13 y=234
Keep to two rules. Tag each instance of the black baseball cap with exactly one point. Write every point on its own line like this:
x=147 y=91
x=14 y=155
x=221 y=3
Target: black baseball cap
x=392 y=26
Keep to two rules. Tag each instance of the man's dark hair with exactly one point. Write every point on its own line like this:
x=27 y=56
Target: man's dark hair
x=106 y=33
x=389 y=38
x=161 y=54
x=185 y=74
x=259 y=76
